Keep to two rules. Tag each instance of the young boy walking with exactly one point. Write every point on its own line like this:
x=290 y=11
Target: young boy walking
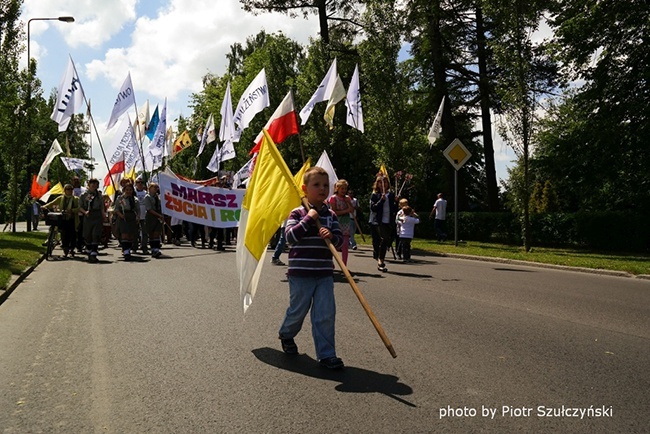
x=310 y=271
x=406 y=224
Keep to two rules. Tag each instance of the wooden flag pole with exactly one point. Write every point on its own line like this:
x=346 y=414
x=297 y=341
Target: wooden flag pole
x=356 y=290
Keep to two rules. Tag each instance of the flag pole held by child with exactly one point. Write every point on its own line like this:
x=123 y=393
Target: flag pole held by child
x=357 y=291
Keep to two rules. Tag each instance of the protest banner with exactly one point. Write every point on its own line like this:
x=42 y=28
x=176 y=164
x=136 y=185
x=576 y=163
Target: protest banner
x=210 y=206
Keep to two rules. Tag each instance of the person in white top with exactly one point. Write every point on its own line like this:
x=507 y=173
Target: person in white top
x=140 y=193
x=440 y=209
x=407 y=223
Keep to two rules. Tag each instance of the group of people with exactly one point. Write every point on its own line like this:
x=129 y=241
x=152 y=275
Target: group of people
x=88 y=218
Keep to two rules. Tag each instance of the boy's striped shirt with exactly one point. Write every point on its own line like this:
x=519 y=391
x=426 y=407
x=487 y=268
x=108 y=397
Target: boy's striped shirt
x=309 y=255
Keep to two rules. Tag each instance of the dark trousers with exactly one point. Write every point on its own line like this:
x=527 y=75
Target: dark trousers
x=405 y=244
x=79 y=236
x=68 y=235
x=376 y=240
x=439 y=225
x=386 y=237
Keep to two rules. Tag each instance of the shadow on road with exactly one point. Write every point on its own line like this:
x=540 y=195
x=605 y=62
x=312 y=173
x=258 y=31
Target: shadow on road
x=514 y=269
x=354 y=380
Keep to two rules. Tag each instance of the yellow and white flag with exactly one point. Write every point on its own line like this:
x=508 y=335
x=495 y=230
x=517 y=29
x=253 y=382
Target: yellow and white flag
x=338 y=93
x=54 y=191
x=270 y=197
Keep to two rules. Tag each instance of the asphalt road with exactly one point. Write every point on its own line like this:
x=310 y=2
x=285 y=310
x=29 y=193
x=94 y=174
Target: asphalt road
x=162 y=346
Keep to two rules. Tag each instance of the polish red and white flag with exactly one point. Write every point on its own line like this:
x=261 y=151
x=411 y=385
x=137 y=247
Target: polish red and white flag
x=282 y=124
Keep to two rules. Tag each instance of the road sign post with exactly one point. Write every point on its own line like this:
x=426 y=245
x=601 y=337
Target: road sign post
x=457 y=154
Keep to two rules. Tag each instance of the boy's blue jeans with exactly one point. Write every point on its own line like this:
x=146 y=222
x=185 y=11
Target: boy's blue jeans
x=317 y=293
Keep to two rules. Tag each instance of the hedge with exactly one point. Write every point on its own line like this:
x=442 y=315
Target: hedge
x=606 y=230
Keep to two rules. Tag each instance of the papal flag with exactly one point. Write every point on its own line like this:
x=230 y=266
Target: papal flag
x=125 y=99
x=322 y=93
x=436 y=127
x=338 y=93
x=55 y=150
x=353 y=102
x=54 y=191
x=69 y=99
x=270 y=197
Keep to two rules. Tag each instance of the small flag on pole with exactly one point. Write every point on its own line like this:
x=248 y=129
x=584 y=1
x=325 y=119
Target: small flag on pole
x=436 y=127
x=69 y=98
x=125 y=99
x=353 y=102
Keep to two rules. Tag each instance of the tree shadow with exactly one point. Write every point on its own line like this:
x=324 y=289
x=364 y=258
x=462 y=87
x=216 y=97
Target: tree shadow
x=351 y=379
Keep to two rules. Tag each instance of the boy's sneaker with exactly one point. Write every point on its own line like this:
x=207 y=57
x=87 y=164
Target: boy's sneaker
x=277 y=262
x=289 y=346
x=332 y=363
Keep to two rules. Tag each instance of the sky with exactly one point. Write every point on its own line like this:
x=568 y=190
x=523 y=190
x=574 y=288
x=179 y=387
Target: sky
x=166 y=45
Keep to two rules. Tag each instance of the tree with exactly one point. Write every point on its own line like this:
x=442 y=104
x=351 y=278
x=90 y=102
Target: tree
x=593 y=144
x=12 y=105
x=526 y=75
x=343 y=12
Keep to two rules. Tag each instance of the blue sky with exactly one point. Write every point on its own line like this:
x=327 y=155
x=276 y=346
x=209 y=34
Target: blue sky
x=166 y=45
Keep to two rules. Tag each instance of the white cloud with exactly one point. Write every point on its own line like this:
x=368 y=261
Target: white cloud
x=170 y=53
x=96 y=21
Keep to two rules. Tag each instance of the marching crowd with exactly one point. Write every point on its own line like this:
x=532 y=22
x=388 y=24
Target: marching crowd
x=136 y=221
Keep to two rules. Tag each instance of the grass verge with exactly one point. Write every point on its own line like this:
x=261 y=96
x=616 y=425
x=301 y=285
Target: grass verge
x=633 y=263
x=18 y=252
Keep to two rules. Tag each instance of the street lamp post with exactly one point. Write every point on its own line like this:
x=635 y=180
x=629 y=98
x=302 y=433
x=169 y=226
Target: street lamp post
x=65 y=19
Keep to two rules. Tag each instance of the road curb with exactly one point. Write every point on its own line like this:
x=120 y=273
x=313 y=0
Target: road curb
x=19 y=279
x=599 y=271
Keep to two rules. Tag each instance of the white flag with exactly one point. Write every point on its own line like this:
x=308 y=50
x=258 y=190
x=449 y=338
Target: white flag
x=157 y=146
x=225 y=153
x=353 y=102
x=208 y=135
x=55 y=150
x=323 y=93
x=69 y=98
x=125 y=99
x=325 y=163
x=254 y=99
x=436 y=127
x=244 y=173
x=72 y=163
x=338 y=93
x=215 y=161
x=123 y=147
x=227 y=128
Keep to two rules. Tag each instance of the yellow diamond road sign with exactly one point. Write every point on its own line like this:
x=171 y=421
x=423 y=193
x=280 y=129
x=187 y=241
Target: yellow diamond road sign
x=457 y=154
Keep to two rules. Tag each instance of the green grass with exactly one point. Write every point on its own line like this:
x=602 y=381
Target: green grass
x=19 y=251
x=628 y=262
